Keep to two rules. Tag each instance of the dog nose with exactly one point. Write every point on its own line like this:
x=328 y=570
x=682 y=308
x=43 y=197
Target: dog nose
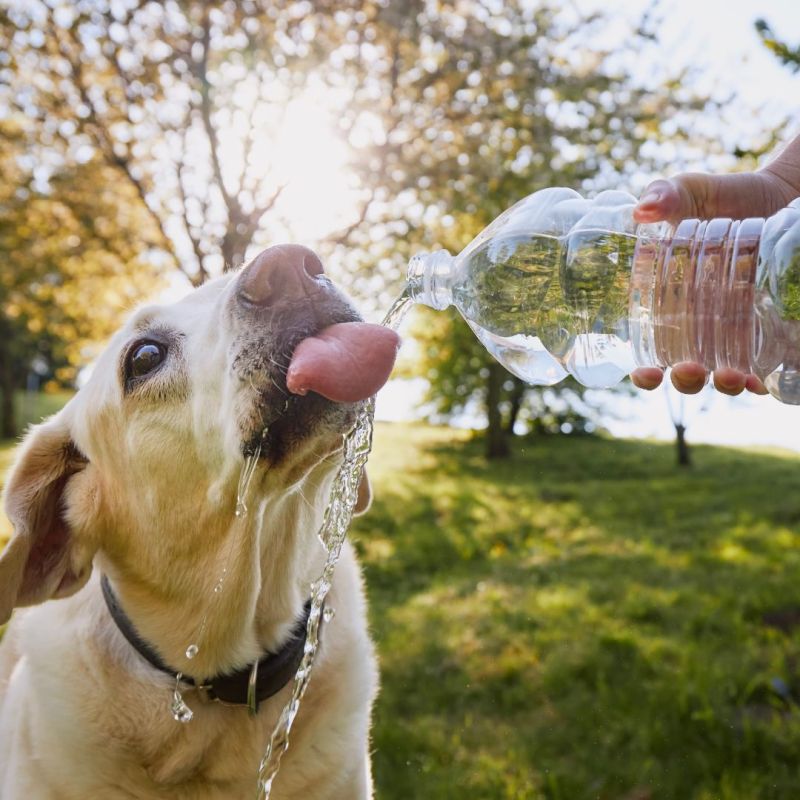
x=283 y=272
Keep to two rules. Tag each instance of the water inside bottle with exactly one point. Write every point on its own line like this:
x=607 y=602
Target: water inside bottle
x=545 y=305
x=703 y=292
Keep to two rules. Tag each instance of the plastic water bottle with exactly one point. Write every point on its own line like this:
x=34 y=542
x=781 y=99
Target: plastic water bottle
x=559 y=285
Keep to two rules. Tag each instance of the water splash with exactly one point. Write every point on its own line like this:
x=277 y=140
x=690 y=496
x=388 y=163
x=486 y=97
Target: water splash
x=180 y=711
x=332 y=533
x=344 y=494
x=397 y=312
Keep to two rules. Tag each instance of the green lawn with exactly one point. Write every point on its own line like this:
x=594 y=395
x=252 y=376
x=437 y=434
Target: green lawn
x=31 y=408
x=6 y=454
x=583 y=622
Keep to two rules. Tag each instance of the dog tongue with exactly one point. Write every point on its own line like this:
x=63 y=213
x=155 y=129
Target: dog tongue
x=345 y=362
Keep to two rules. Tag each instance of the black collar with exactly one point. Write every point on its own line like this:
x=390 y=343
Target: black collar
x=267 y=676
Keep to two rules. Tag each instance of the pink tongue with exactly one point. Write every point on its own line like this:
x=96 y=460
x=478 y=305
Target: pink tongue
x=345 y=362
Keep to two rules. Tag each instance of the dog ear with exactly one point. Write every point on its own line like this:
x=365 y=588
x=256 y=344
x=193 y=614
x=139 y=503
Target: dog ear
x=364 y=499
x=42 y=560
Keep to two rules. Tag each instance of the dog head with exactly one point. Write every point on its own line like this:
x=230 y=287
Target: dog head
x=143 y=464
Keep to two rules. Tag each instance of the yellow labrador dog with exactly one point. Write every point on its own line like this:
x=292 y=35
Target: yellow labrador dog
x=123 y=513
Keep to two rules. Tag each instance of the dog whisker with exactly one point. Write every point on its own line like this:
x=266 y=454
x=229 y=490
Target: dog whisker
x=279 y=364
x=282 y=391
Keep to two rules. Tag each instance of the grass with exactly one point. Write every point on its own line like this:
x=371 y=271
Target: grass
x=31 y=408
x=584 y=621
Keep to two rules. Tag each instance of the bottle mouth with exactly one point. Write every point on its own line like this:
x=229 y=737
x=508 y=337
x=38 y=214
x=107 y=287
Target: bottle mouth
x=429 y=279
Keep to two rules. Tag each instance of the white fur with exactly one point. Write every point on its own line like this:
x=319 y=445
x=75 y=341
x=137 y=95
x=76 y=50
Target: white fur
x=81 y=714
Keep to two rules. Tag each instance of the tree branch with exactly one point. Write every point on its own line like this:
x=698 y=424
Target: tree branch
x=255 y=215
x=202 y=273
x=343 y=235
x=201 y=71
x=102 y=138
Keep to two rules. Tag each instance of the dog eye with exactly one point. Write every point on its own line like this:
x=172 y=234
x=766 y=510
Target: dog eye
x=144 y=358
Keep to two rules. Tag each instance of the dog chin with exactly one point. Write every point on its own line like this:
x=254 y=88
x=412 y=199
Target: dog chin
x=308 y=425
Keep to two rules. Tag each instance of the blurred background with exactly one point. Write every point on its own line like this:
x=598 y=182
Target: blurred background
x=567 y=604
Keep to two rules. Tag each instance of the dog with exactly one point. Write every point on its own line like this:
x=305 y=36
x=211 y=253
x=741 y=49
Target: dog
x=123 y=508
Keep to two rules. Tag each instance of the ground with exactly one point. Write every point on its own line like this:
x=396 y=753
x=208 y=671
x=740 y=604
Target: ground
x=584 y=621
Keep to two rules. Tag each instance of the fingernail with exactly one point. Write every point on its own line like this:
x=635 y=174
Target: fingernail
x=650 y=199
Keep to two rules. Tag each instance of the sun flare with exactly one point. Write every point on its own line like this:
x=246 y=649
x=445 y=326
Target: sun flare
x=300 y=149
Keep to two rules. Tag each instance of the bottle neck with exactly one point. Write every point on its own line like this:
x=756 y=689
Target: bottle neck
x=692 y=295
x=430 y=278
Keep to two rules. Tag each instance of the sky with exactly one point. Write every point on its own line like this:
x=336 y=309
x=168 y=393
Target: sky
x=718 y=39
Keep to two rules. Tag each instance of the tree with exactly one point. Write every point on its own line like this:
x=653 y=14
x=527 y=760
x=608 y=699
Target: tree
x=174 y=98
x=786 y=54
x=73 y=264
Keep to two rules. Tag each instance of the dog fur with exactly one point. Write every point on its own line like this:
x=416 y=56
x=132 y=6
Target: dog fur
x=137 y=480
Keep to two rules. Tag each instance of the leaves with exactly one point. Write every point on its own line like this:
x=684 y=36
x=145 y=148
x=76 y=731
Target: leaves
x=74 y=261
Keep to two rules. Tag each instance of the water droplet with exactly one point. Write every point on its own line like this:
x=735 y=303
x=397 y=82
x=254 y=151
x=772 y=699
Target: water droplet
x=180 y=711
x=328 y=613
x=218 y=588
x=245 y=479
x=191 y=651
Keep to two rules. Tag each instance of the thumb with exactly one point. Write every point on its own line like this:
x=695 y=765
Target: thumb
x=701 y=196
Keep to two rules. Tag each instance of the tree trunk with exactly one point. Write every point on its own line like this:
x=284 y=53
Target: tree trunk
x=684 y=459
x=8 y=419
x=496 y=436
x=517 y=396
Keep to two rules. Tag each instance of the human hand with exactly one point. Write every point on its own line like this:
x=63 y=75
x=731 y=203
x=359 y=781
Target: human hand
x=696 y=195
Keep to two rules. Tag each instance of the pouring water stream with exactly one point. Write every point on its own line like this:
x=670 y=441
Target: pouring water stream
x=357 y=446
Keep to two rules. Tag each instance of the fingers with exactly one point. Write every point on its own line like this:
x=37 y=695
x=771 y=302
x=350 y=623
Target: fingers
x=686 y=377
x=696 y=195
x=659 y=201
x=754 y=385
x=729 y=381
x=647 y=378
x=690 y=378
